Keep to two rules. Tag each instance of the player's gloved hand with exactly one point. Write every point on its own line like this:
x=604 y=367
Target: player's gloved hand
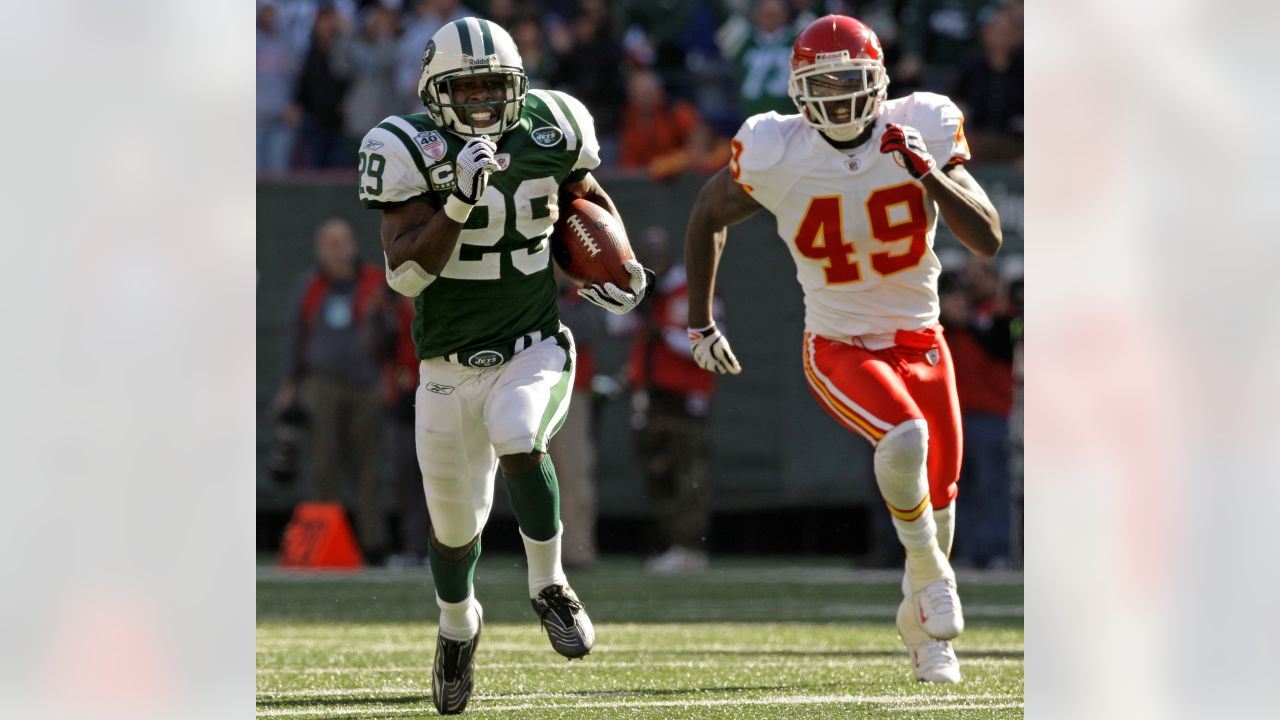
x=711 y=350
x=615 y=299
x=475 y=162
x=907 y=147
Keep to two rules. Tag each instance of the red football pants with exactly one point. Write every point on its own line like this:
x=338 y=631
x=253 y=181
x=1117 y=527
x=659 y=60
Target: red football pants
x=872 y=391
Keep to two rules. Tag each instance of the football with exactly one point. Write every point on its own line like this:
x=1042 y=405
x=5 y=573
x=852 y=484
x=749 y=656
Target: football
x=590 y=246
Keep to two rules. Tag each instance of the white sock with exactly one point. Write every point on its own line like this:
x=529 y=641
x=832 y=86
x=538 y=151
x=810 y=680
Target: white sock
x=901 y=474
x=925 y=561
x=544 y=562
x=945 y=519
x=460 y=620
x=945 y=522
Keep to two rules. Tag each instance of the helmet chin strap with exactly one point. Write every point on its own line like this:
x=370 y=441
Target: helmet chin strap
x=844 y=133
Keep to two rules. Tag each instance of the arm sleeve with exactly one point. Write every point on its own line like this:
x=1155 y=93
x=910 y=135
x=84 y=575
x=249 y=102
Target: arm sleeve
x=392 y=172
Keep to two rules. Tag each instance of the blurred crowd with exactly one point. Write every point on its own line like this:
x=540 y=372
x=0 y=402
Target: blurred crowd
x=668 y=81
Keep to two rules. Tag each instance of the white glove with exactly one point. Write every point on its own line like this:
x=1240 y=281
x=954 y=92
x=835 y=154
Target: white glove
x=711 y=350
x=475 y=162
x=615 y=299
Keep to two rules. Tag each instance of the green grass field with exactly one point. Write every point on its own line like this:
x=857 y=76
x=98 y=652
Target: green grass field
x=749 y=639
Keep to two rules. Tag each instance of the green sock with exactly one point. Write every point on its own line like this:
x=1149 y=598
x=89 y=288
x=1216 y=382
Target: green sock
x=535 y=499
x=453 y=578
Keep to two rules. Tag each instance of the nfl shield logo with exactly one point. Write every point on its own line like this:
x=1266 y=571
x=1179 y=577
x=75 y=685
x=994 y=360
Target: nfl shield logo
x=932 y=356
x=432 y=144
x=503 y=159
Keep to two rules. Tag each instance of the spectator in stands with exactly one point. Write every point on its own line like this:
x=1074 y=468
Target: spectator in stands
x=671 y=402
x=277 y=116
x=574 y=448
x=978 y=326
x=705 y=153
x=989 y=91
x=504 y=13
x=428 y=17
x=652 y=127
x=321 y=92
x=402 y=386
x=369 y=57
x=937 y=36
x=539 y=63
x=588 y=66
x=654 y=34
x=804 y=12
x=336 y=351
x=763 y=62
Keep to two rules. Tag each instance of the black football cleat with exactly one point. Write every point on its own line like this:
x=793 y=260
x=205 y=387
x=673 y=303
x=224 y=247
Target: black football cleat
x=565 y=620
x=454 y=670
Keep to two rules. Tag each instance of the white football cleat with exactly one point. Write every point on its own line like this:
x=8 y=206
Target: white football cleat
x=937 y=608
x=934 y=661
x=931 y=660
x=678 y=561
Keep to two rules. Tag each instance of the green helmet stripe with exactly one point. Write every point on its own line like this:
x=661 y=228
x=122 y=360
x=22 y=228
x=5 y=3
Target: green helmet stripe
x=464 y=36
x=487 y=37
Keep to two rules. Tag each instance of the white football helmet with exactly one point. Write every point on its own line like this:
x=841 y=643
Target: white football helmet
x=465 y=48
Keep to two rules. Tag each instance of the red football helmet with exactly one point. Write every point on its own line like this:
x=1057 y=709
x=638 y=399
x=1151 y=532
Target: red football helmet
x=838 y=78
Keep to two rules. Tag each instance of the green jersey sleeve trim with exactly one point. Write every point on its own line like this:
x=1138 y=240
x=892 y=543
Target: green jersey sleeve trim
x=567 y=108
x=564 y=119
x=390 y=126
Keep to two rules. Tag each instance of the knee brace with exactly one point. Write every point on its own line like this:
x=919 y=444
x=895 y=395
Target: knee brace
x=900 y=464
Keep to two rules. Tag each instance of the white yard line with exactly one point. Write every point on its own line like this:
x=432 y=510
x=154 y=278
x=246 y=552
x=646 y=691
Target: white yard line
x=895 y=703
x=424 y=669
x=766 y=574
x=957 y=706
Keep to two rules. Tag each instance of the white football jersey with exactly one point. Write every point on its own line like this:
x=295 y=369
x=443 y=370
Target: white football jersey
x=859 y=227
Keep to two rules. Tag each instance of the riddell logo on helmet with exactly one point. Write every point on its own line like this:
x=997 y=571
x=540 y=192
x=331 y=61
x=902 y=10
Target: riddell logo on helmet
x=823 y=57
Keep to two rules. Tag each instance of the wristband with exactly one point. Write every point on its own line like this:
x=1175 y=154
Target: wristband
x=457 y=210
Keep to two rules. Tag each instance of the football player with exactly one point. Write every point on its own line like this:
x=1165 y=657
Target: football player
x=856 y=183
x=469 y=191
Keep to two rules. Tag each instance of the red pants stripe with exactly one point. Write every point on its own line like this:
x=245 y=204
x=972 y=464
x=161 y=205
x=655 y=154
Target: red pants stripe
x=872 y=391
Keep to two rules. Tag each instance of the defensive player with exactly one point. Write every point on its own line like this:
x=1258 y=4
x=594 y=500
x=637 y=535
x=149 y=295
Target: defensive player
x=469 y=192
x=855 y=183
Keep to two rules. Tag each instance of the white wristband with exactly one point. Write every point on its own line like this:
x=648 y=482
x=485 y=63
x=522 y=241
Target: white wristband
x=457 y=210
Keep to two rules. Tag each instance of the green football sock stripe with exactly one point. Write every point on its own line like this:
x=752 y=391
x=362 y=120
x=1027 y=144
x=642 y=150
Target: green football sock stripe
x=535 y=500
x=453 y=578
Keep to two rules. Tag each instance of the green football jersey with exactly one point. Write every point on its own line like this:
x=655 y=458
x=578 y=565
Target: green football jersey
x=764 y=73
x=499 y=284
